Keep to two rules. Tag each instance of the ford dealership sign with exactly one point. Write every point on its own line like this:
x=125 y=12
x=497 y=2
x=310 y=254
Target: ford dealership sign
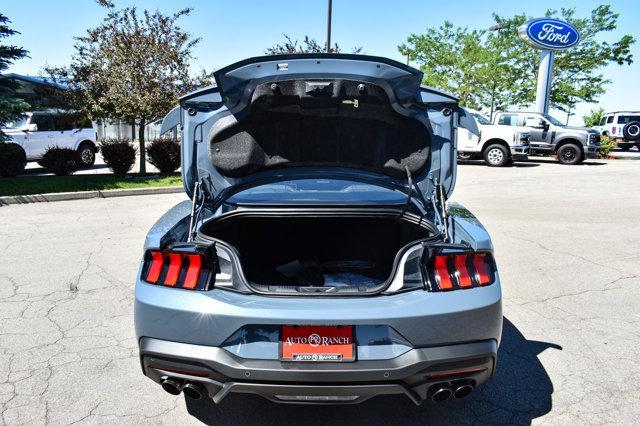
x=549 y=33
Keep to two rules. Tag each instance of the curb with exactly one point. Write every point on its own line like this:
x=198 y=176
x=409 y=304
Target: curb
x=82 y=195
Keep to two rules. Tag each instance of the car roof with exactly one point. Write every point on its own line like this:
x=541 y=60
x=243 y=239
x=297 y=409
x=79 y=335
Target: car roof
x=621 y=112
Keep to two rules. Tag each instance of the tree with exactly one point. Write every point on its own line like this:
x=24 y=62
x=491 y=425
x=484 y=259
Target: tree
x=593 y=118
x=308 y=45
x=132 y=67
x=577 y=71
x=496 y=68
x=11 y=108
x=460 y=61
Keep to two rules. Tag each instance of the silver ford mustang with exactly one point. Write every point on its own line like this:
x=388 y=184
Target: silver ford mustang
x=318 y=260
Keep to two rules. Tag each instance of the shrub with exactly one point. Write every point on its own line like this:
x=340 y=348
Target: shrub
x=60 y=161
x=606 y=146
x=118 y=154
x=12 y=159
x=164 y=154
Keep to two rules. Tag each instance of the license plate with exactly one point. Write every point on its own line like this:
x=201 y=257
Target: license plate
x=317 y=343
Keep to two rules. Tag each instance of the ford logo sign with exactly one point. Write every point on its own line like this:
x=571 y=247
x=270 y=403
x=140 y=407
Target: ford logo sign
x=549 y=33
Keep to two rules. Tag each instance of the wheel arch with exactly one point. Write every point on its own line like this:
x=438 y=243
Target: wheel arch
x=495 y=141
x=567 y=141
x=79 y=143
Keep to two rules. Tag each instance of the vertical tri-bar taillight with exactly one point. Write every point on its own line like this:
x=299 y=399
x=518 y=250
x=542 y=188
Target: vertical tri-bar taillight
x=183 y=268
x=460 y=270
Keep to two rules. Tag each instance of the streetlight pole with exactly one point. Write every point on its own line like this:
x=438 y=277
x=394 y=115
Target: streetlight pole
x=329 y=28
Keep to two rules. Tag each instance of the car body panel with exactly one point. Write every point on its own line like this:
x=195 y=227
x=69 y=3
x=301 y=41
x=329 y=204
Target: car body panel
x=228 y=332
x=203 y=110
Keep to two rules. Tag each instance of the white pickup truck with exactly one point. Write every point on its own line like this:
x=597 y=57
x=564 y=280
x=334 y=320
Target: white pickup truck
x=497 y=145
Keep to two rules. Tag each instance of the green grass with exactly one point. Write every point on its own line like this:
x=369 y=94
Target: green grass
x=27 y=185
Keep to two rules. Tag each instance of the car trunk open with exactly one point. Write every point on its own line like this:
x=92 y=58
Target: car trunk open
x=346 y=252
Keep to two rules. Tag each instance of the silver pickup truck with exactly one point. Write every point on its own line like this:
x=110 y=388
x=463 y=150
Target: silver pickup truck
x=548 y=136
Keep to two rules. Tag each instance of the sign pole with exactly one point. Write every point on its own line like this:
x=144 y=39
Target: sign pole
x=545 y=73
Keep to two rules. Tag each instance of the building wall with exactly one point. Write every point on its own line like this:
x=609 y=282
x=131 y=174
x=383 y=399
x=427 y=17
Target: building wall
x=122 y=130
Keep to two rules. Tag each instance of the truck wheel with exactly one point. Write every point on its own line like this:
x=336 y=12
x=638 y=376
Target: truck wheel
x=86 y=155
x=570 y=154
x=496 y=155
x=631 y=131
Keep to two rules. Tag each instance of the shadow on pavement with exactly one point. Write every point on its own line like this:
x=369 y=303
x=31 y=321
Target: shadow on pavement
x=520 y=392
x=482 y=163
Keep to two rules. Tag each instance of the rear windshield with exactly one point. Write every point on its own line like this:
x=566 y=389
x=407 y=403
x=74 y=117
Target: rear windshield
x=624 y=119
x=314 y=191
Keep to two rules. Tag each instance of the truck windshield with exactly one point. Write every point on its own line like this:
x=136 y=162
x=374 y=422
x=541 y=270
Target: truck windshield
x=552 y=120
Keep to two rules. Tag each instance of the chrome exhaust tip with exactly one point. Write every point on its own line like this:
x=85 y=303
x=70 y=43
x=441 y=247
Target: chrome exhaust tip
x=440 y=393
x=193 y=390
x=463 y=389
x=172 y=386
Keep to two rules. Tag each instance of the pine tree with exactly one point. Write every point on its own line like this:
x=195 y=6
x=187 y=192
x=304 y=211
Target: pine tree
x=11 y=108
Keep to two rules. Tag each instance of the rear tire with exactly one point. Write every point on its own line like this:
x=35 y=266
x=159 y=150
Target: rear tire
x=570 y=154
x=86 y=155
x=631 y=131
x=496 y=155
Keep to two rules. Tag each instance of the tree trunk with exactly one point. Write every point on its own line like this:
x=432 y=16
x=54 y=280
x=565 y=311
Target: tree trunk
x=143 y=153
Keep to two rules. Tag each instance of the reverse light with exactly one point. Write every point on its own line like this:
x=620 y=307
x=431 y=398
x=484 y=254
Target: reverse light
x=460 y=270
x=185 y=268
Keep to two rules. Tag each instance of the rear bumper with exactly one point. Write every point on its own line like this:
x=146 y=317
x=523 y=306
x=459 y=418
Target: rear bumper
x=222 y=373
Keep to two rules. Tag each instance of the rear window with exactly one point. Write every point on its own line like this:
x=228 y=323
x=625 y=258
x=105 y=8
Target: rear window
x=508 y=120
x=314 y=191
x=624 y=119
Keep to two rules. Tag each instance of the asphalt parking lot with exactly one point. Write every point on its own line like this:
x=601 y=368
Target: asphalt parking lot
x=567 y=242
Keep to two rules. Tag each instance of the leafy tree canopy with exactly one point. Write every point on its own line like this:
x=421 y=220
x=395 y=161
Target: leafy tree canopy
x=133 y=66
x=496 y=69
x=308 y=45
x=593 y=118
x=11 y=108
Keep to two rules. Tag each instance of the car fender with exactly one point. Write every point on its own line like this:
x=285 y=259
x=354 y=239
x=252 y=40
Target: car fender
x=562 y=137
x=466 y=228
x=83 y=136
x=172 y=226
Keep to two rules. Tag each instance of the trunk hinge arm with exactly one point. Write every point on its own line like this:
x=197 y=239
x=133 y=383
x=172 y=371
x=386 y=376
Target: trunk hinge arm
x=200 y=194
x=439 y=202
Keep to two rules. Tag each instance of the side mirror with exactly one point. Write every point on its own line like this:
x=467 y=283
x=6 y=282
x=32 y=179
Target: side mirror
x=544 y=124
x=30 y=128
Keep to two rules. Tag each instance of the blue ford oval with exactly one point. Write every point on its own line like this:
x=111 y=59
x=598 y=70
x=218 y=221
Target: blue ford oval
x=549 y=33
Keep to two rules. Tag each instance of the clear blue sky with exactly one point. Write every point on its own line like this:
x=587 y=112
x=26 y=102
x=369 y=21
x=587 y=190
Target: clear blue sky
x=234 y=30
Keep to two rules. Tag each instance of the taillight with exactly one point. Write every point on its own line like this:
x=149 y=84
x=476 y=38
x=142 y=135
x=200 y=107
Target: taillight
x=186 y=269
x=460 y=270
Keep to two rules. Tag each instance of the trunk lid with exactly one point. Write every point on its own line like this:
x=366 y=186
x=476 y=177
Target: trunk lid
x=286 y=117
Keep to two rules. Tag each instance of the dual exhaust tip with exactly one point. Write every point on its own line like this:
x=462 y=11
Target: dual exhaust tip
x=191 y=390
x=440 y=392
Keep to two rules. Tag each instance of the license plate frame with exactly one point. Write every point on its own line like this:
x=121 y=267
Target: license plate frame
x=296 y=343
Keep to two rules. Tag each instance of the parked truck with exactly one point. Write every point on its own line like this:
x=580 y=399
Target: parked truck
x=498 y=146
x=571 y=145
